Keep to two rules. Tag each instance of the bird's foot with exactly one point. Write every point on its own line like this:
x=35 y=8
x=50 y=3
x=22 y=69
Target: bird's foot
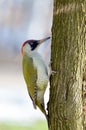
x=52 y=72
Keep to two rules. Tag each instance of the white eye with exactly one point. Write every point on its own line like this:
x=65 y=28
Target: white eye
x=31 y=43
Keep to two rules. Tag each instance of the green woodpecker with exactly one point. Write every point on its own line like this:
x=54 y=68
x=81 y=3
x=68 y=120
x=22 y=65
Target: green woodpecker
x=35 y=72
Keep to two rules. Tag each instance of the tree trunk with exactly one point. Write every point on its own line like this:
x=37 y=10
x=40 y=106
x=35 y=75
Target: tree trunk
x=68 y=54
x=84 y=95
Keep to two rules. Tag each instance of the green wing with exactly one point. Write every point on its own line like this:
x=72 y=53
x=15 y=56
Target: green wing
x=30 y=76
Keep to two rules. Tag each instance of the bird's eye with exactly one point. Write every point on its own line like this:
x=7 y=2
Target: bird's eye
x=33 y=44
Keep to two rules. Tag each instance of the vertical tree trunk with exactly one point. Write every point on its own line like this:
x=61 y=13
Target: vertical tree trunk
x=68 y=59
x=84 y=95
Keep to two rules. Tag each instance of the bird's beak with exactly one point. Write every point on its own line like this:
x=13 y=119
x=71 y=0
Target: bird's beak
x=43 y=40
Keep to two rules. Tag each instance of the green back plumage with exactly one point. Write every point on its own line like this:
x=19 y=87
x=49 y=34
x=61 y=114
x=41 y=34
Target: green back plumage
x=30 y=76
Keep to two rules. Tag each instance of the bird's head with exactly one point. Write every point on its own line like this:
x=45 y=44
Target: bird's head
x=31 y=45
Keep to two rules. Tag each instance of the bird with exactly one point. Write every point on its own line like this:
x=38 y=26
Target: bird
x=35 y=73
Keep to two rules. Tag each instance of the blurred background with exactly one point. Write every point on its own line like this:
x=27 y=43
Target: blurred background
x=21 y=20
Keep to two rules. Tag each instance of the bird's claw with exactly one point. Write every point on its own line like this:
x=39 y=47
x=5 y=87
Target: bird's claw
x=53 y=72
